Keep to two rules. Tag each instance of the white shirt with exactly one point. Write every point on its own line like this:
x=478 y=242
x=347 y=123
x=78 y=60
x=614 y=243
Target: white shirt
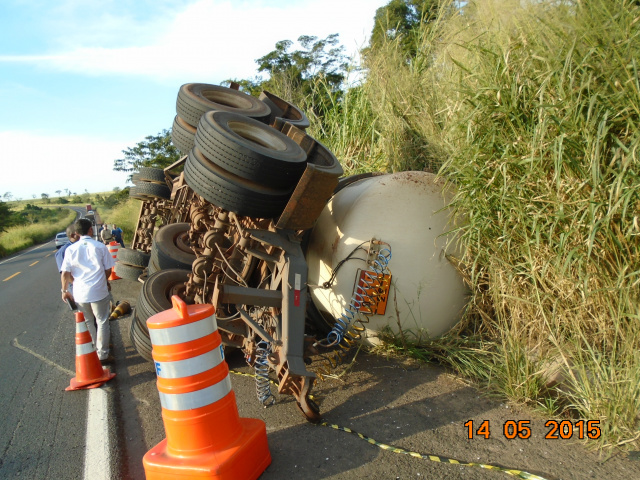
x=87 y=260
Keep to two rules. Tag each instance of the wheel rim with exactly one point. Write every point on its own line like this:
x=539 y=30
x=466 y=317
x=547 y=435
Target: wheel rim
x=260 y=136
x=226 y=99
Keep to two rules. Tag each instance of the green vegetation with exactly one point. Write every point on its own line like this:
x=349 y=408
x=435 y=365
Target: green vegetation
x=154 y=151
x=26 y=222
x=536 y=114
x=41 y=225
x=125 y=214
x=532 y=111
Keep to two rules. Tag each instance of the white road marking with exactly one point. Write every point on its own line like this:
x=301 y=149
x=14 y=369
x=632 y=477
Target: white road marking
x=97 y=462
x=28 y=251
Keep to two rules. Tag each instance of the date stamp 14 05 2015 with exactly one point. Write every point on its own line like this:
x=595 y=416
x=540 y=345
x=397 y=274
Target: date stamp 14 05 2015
x=556 y=429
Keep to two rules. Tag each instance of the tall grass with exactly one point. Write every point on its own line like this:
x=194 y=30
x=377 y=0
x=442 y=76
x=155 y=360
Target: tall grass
x=545 y=158
x=532 y=111
x=348 y=125
x=125 y=215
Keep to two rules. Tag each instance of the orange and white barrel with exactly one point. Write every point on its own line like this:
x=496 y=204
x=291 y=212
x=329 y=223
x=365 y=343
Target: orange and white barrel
x=113 y=250
x=204 y=431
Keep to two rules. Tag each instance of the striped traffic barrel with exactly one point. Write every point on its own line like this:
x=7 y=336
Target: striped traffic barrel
x=113 y=250
x=202 y=425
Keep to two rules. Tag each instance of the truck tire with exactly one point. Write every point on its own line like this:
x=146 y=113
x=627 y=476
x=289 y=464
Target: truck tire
x=128 y=272
x=171 y=247
x=282 y=109
x=159 y=287
x=133 y=193
x=194 y=99
x=150 y=174
x=139 y=337
x=231 y=192
x=135 y=258
x=250 y=149
x=150 y=190
x=183 y=135
x=153 y=266
x=154 y=297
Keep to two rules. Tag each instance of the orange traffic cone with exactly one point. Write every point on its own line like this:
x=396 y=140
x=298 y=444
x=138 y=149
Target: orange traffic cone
x=121 y=309
x=206 y=438
x=113 y=249
x=89 y=371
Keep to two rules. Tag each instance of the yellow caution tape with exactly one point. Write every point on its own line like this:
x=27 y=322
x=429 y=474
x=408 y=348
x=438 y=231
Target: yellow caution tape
x=434 y=458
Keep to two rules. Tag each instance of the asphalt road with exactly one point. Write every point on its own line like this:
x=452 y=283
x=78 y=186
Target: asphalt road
x=398 y=402
x=42 y=427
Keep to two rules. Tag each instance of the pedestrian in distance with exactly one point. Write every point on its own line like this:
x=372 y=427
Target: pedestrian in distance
x=105 y=235
x=117 y=235
x=88 y=263
x=73 y=237
x=107 y=238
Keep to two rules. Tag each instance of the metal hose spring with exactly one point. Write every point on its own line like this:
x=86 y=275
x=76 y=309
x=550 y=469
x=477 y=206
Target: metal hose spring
x=349 y=326
x=261 y=368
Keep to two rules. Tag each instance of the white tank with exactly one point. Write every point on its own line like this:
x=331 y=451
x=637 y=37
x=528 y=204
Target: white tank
x=408 y=211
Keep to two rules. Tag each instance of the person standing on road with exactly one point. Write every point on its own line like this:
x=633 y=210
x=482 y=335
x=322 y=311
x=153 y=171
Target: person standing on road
x=105 y=235
x=89 y=263
x=117 y=235
x=72 y=236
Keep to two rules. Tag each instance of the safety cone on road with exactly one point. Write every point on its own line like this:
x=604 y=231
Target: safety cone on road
x=206 y=438
x=121 y=309
x=89 y=371
x=113 y=249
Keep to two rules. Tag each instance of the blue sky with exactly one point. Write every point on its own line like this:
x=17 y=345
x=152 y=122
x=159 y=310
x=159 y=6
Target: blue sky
x=82 y=80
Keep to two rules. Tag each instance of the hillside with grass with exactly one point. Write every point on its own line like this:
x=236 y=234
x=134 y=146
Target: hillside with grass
x=531 y=110
x=24 y=223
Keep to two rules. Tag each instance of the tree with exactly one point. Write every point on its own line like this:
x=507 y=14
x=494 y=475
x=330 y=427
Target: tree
x=58 y=192
x=319 y=59
x=8 y=196
x=154 y=151
x=45 y=197
x=399 y=19
x=5 y=216
x=296 y=74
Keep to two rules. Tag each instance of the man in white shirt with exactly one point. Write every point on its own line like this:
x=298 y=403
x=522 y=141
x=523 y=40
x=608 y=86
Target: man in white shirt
x=88 y=264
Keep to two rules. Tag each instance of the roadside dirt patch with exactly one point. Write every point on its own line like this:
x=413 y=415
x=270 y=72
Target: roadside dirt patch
x=395 y=401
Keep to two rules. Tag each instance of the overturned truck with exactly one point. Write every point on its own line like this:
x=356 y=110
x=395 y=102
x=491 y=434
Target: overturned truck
x=229 y=224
